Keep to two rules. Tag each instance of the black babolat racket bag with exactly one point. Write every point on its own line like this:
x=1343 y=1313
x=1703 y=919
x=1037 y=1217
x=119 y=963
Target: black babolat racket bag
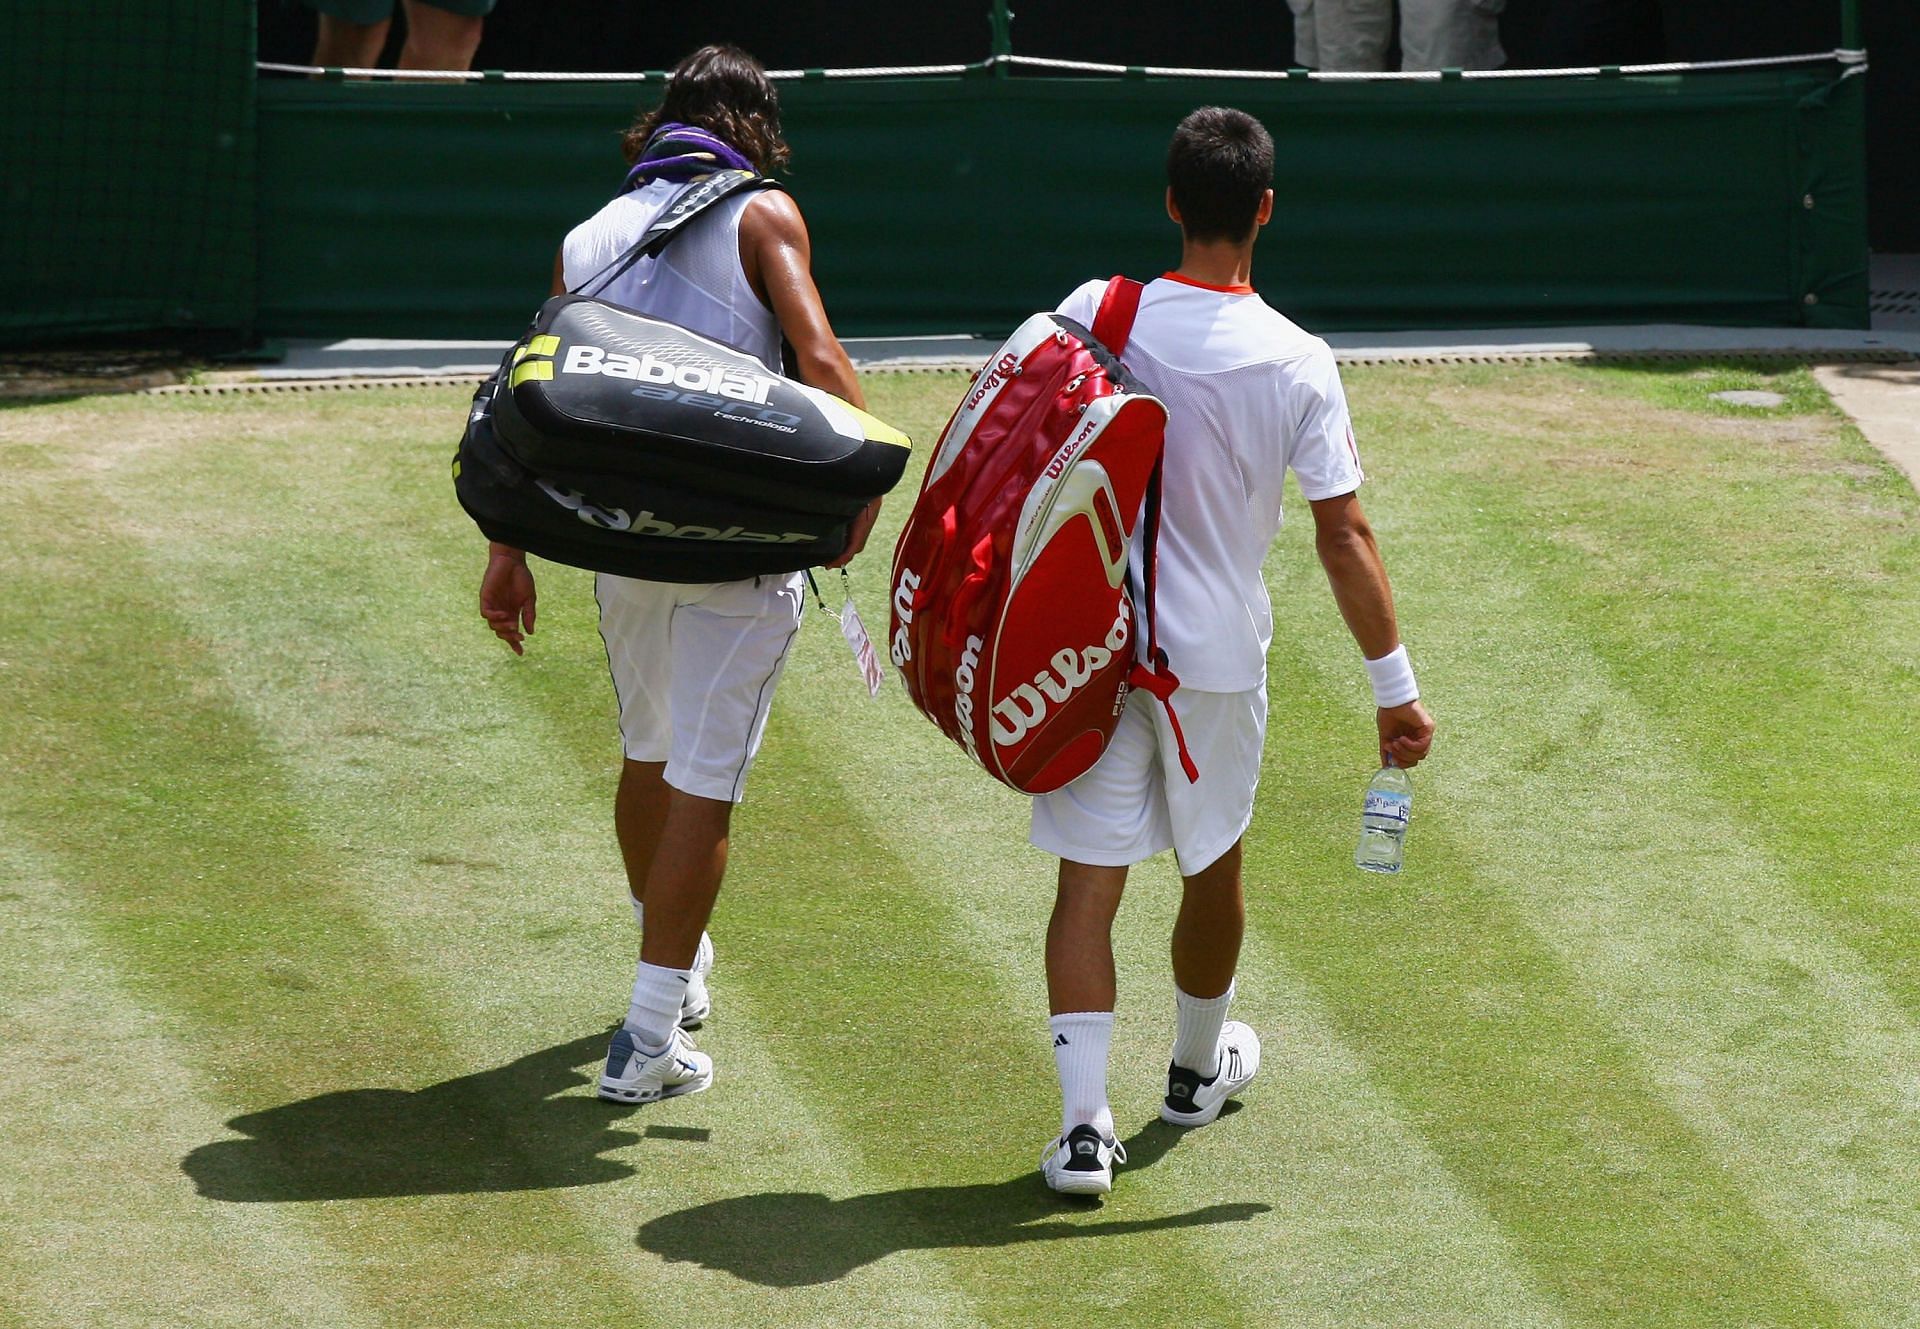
x=621 y=443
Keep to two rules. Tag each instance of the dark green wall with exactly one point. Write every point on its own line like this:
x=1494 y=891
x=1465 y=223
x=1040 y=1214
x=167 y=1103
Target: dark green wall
x=152 y=182
x=126 y=166
x=964 y=203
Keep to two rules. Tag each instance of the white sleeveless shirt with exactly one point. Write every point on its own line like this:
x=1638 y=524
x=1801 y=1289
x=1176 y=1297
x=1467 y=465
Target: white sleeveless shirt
x=697 y=282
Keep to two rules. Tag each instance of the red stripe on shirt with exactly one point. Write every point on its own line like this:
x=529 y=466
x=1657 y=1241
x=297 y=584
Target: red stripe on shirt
x=1206 y=286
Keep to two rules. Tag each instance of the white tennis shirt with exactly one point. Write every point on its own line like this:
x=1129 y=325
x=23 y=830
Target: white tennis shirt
x=697 y=282
x=1249 y=397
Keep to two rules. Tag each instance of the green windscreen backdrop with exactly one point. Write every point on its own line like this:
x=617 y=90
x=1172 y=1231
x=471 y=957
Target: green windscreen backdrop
x=963 y=203
x=127 y=142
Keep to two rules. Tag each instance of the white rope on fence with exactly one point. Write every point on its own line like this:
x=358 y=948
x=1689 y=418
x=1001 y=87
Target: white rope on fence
x=1856 y=62
x=876 y=71
x=635 y=76
x=315 y=71
x=1854 y=58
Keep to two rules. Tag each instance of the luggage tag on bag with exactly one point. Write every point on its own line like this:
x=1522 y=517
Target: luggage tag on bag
x=854 y=631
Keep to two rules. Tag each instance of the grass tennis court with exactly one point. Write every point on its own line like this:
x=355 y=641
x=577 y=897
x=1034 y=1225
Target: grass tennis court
x=311 y=918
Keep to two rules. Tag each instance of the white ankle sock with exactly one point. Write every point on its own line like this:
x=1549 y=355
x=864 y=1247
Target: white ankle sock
x=1080 y=1042
x=1196 y=1030
x=654 y=1012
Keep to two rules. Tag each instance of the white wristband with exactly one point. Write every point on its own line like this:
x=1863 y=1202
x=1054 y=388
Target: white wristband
x=1392 y=678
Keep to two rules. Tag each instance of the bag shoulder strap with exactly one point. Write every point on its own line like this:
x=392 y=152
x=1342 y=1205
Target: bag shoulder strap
x=1157 y=675
x=1112 y=328
x=689 y=203
x=1113 y=324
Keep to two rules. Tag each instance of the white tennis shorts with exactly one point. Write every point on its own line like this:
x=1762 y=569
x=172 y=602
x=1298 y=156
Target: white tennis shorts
x=694 y=668
x=1136 y=801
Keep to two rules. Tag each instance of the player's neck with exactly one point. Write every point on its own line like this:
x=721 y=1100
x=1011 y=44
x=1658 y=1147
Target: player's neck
x=1214 y=263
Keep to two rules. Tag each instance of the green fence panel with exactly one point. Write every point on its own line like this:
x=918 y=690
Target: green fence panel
x=962 y=204
x=1830 y=161
x=126 y=136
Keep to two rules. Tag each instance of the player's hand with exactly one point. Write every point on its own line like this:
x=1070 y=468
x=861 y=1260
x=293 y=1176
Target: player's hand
x=506 y=595
x=1406 y=732
x=862 y=528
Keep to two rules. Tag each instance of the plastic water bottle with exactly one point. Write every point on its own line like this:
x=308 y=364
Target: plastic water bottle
x=1383 y=820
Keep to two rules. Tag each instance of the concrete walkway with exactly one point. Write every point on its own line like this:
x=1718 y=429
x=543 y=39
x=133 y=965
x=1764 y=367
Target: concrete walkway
x=1884 y=400
x=380 y=358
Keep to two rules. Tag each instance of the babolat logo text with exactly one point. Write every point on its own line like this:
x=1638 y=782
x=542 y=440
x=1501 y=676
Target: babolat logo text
x=645 y=523
x=737 y=384
x=1026 y=706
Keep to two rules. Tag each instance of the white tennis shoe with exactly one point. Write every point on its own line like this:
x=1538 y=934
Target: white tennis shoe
x=1193 y=1100
x=697 y=1004
x=1081 y=1162
x=636 y=1076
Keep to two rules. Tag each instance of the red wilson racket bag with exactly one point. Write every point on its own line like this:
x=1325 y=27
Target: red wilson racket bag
x=1012 y=622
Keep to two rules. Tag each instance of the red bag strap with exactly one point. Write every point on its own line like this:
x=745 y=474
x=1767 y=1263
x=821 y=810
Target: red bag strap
x=1157 y=676
x=1114 y=323
x=1112 y=326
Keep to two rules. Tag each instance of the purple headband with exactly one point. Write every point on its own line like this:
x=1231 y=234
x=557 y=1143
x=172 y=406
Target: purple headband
x=680 y=152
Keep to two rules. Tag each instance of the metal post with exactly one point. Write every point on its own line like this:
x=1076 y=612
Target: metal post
x=1851 y=36
x=1000 y=18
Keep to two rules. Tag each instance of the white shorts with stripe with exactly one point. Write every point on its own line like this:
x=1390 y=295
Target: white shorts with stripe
x=694 y=668
x=1136 y=800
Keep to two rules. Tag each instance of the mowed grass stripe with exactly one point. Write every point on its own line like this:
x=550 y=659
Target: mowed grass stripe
x=507 y=899
x=1556 y=806
x=1516 y=1077
x=223 y=904
x=1783 y=1052
x=97 y=1107
x=1755 y=584
x=1488 y=1047
x=1777 y=1040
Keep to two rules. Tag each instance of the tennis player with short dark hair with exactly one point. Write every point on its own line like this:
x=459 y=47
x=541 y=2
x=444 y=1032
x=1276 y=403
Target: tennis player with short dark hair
x=1250 y=396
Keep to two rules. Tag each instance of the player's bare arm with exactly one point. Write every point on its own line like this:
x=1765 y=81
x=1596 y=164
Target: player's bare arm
x=506 y=588
x=1358 y=576
x=777 y=257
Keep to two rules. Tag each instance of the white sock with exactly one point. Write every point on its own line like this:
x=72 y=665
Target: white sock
x=639 y=912
x=654 y=1012
x=1080 y=1042
x=1196 y=1030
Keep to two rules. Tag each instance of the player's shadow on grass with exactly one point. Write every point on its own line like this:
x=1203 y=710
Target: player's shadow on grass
x=796 y=1238
x=497 y=1130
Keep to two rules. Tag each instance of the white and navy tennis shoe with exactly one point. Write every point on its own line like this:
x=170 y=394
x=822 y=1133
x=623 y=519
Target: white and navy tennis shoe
x=1193 y=1100
x=1081 y=1162
x=633 y=1075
